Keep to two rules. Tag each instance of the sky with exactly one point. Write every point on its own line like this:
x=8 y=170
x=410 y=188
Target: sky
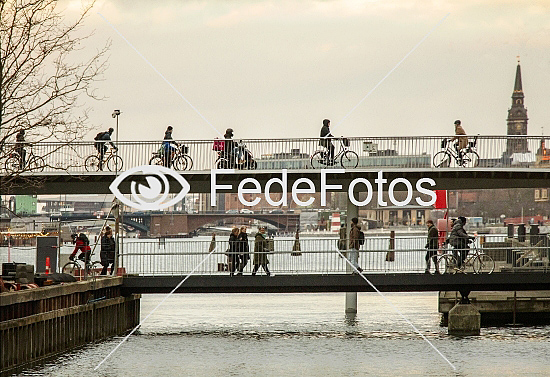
x=276 y=69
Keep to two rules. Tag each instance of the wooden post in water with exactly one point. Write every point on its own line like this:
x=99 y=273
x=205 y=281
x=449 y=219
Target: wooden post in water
x=351 y=297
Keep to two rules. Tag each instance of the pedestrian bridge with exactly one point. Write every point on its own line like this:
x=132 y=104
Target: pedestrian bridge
x=317 y=266
x=496 y=161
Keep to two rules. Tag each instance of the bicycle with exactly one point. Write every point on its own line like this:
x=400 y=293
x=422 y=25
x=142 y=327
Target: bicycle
x=348 y=158
x=112 y=160
x=476 y=262
x=73 y=267
x=468 y=157
x=180 y=161
x=33 y=162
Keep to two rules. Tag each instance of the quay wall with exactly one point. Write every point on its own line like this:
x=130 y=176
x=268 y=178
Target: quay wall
x=502 y=307
x=40 y=323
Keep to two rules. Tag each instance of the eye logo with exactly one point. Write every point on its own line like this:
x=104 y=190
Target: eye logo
x=153 y=194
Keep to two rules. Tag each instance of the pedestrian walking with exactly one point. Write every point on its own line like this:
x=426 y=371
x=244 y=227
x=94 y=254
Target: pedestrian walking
x=354 y=244
x=432 y=244
x=233 y=251
x=260 y=252
x=244 y=250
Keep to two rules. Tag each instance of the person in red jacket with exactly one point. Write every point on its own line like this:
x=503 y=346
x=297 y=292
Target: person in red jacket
x=83 y=245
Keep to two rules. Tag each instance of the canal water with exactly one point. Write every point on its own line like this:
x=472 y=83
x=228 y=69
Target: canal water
x=304 y=335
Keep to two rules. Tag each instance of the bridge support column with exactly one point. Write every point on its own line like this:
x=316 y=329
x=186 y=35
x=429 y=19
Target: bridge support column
x=464 y=318
x=351 y=297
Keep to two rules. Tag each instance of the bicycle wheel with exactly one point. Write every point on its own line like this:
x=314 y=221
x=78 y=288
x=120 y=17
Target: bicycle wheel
x=349 y=160
x=470 y=159
x=469 y=265
x=434 y=270
x=442 y=159
x=71 y=268
x=114 y=163
x=446 y=264
x=37 y=163
x=189 y=161
x=484 y=264
x=319 y=160
x=92 y=163
x=156 y=160
x=12 y=164
x=179 y=163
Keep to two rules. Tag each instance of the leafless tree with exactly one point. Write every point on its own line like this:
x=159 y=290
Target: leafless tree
x=42 y=83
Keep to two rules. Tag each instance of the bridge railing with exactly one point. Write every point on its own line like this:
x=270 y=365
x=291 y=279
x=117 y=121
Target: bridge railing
x=276 y=154
x=316 y=256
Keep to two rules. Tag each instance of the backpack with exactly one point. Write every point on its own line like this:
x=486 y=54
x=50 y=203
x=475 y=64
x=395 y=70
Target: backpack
x=361 y=238
x=99 y=136
x=84 y=238
x=219 y=145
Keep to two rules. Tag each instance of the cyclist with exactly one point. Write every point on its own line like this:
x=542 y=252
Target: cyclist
x=459 y=240
x=102 y=139
x=461 y=139
x=82 y=244
x=20 y=143
x=326 y=142
x=169 y=150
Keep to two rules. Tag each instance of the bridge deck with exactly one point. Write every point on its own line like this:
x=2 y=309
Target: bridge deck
x=447 y=178
x=404 y=282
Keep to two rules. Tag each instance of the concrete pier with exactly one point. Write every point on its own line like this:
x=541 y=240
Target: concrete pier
x=464 y=319
x=39 y=323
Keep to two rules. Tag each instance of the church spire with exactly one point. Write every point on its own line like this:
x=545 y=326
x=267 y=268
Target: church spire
x=517 y=86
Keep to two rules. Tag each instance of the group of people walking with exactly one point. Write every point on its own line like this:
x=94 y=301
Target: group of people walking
x=238 y=253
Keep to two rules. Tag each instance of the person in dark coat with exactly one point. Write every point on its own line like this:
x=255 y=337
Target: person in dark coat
x=459 y=240
x=432 y=244
x=233 y=251
x=326 y=141
x=260 y=252
x=244 y=250
x=354 y=245
x=107 y=254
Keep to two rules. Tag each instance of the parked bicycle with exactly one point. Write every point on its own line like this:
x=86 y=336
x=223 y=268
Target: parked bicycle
x=112 y=160
x=466 y=157
x=74 y=267
x=33 y=162
x=348 y=159
x=476 y=262
x=180 y=160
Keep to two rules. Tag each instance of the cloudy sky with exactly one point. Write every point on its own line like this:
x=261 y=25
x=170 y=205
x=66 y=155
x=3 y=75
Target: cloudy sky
x=278 y=68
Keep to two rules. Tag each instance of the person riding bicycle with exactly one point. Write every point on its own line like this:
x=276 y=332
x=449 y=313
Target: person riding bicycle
x=20 y=143
x=169 y=150
x=459 y=240
x=102 y=139
x=82 y=244
x=461 y=139
x=326 y=142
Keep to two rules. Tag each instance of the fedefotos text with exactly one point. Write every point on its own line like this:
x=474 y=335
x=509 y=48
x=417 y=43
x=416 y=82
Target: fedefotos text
x=307 y=186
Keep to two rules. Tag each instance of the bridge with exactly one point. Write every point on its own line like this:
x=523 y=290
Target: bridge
x=318 y=267
x=501 y=161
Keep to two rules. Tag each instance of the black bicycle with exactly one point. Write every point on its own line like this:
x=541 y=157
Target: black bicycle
x=466 y=157
x=348 y=159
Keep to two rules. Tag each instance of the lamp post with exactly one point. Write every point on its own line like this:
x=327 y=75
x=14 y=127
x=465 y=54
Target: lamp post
x=115 y=114
x=119 y=248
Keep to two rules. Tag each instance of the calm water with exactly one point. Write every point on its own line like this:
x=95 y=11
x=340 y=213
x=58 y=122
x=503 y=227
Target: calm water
x=304 y=335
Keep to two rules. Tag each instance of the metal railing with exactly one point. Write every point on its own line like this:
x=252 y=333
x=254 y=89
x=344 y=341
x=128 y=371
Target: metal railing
x=275 y=154
x=318 y=256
